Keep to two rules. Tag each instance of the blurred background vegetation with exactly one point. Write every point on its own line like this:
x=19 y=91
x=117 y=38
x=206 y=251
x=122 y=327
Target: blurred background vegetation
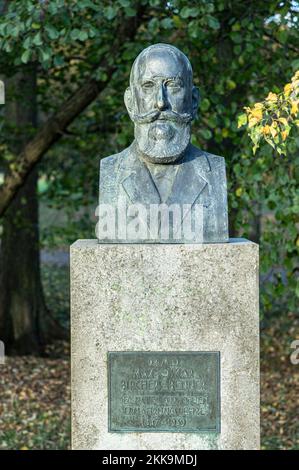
x=65 y=65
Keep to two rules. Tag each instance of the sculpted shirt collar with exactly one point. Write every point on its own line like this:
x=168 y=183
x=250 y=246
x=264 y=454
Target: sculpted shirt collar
x=163 y=177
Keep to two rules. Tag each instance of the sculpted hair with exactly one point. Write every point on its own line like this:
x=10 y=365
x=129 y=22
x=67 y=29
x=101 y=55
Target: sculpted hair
x=168 y=49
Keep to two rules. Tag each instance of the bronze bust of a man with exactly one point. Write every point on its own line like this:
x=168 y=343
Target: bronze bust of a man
x=162 y=189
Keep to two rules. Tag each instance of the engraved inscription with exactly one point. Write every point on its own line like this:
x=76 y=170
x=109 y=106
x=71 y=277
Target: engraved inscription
x=164 y=391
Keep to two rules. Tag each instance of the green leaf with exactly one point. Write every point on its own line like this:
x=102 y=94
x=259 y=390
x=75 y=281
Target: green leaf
x=35 y=26
x=27 y=42
x=187 y=12
x=254 y=148
x=130 y=12
x=153 y=25
x=205 y=104
x=231 y=85
x=205 y=133
x=110 y=12
x=194 y=30
x=44 y=54
x=52 y=8
x=295 y=64
x=52 y=32
x=124 y=3
x=92 y=33
x=167 y=23
x=88 y=4
x=37 y=40
x=83 y=35
x=75 y=34
x=15 y=31
x=236 y=37
x=100 y=75
x=282 y=36
x=3 y=29
x=26 y=56
x=213 y=22
x=58 y=60
x=242 y=119
x=6 y=46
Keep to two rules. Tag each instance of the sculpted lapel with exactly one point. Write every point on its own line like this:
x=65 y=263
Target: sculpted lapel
x=190 y=181
x=137 y=182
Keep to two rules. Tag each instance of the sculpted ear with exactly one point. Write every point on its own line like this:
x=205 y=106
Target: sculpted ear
x=195 y=100
x=129 y=100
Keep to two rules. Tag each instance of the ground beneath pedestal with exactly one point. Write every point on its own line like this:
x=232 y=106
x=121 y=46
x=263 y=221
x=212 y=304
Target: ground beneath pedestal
x=35 y=394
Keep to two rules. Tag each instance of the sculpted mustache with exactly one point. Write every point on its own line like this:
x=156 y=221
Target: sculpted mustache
x=165 y=115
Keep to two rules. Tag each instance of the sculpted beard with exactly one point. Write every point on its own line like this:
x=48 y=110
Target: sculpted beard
x=162 y=137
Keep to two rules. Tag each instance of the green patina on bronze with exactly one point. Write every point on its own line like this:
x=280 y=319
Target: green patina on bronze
x=164 y=391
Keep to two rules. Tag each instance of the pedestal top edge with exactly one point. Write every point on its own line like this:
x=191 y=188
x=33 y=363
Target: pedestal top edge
x=94 y=243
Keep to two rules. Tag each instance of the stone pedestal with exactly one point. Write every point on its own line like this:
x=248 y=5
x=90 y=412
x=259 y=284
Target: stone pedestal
x=165 y=298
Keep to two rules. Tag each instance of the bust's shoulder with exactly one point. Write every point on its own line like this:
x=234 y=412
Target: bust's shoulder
x=216 y=161
x=113 y=160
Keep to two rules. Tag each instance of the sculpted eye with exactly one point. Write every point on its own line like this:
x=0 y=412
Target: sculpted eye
x=147 y=85
x=174 y=85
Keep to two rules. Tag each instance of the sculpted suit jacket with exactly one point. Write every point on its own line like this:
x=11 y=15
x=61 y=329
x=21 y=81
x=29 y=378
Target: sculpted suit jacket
x=200 y=181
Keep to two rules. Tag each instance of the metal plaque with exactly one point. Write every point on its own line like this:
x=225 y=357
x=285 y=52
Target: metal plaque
x=164 y=391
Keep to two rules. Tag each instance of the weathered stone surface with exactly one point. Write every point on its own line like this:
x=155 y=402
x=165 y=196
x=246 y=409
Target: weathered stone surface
x=165 y=298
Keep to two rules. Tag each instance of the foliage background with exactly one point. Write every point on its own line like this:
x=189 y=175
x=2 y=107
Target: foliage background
x=239 y=54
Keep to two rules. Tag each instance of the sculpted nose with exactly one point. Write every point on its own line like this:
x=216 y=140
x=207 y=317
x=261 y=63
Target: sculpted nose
x=161 y=102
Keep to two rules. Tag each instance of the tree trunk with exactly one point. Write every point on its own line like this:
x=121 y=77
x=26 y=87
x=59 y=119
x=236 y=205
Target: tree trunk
x=22 y=307
x=21 y=298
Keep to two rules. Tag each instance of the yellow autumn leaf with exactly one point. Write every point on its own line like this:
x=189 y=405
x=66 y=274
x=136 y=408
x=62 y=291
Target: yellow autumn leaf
x=284 y=135
x=294 y=108
x=272 y=97
x=287 y=89
x=231 y=85
x=273 y=130
x=257 y=113
x=239 y=192
x=266 y=129
x=252 y=121
x=283 y=121
x=24 y=448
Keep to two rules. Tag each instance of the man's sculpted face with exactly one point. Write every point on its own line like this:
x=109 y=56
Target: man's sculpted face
x=161 y=102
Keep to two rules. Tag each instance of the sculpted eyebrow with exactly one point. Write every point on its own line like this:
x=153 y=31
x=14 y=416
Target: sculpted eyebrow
x=175 y=79
x=150 y=79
